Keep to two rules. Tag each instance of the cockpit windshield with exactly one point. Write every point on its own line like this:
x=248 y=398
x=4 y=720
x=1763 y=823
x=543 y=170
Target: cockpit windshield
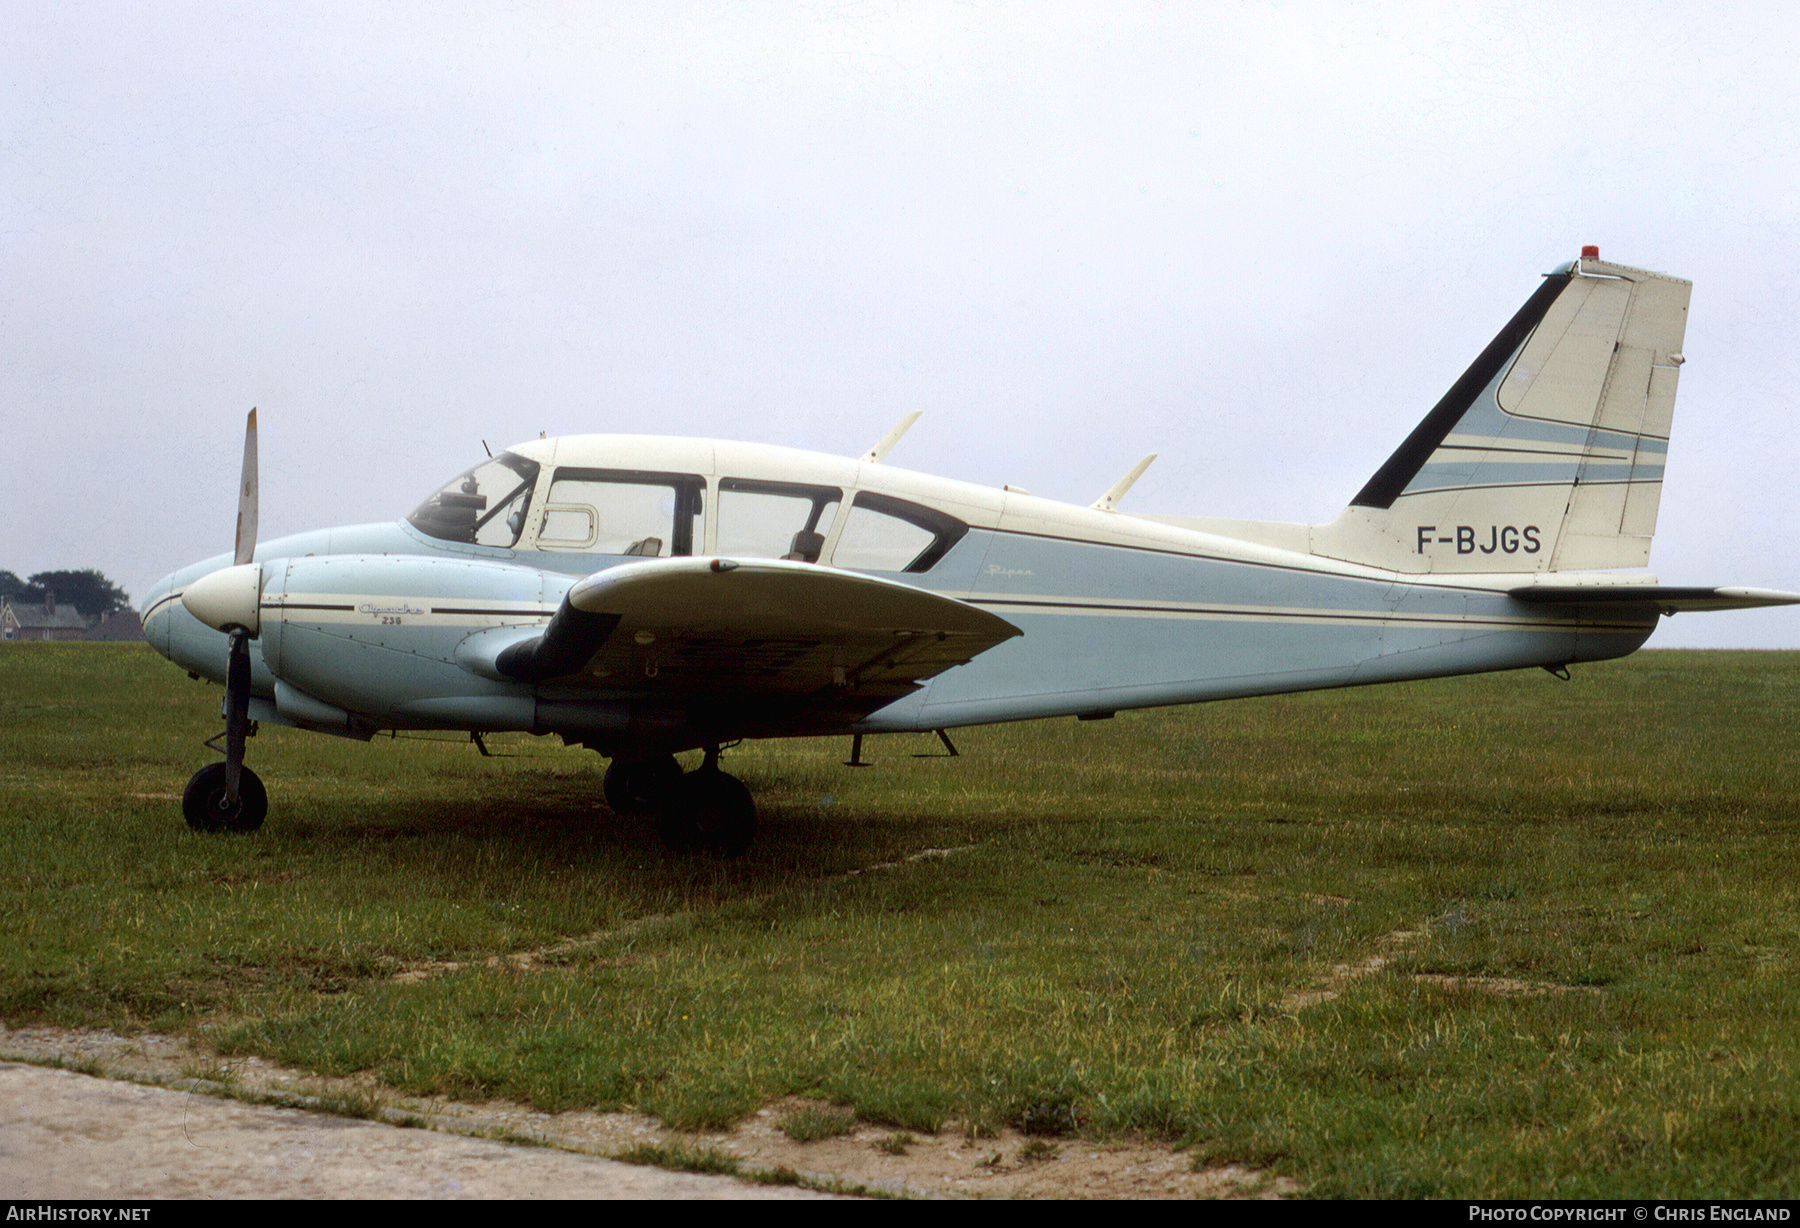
x=484 y=507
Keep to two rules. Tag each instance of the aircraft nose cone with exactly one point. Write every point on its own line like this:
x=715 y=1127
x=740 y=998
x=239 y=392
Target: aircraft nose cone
x=229 y=597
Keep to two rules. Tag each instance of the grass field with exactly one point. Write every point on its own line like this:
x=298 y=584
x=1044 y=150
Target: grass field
x=1487 y=937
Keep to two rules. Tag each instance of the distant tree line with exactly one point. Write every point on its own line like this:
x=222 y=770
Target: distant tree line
x=92 y=594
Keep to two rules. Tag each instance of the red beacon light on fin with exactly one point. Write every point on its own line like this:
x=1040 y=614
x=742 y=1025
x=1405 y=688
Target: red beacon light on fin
x=1590 y=252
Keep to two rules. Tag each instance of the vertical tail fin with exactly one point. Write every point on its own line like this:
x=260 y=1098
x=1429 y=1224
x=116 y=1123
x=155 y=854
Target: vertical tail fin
x=1547 y=455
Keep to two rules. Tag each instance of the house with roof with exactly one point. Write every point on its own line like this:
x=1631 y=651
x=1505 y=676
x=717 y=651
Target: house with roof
x=45 y=620
x=118 y=627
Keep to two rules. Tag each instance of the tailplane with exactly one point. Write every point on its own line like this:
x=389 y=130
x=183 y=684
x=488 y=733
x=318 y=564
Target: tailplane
x=1547 y=455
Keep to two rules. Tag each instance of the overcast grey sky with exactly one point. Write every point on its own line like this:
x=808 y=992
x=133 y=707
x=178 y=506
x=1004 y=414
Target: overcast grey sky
x=1260 y=239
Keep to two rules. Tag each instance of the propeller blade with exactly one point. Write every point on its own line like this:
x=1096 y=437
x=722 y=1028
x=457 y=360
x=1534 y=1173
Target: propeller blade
x=237 y=672
x=246 y=518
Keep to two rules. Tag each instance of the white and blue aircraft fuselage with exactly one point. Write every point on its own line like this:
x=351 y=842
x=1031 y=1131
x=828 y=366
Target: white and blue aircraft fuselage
x=644 y=595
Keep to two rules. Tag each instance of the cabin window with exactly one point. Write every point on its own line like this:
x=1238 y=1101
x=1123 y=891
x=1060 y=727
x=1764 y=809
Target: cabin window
x=620 y=511
x=774 y=520
x=887 y=534
x=484 y=507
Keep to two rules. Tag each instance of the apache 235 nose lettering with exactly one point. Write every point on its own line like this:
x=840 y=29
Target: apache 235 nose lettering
x=645 y=596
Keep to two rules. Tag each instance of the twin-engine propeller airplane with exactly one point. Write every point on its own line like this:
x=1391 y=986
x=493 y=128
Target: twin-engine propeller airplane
x=645 y=596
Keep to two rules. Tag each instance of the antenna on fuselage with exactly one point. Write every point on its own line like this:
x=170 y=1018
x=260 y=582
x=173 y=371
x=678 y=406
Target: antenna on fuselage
x=1109 y=502
x=873 y=455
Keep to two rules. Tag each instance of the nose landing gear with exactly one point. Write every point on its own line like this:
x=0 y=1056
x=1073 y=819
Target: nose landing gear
x=228 y=796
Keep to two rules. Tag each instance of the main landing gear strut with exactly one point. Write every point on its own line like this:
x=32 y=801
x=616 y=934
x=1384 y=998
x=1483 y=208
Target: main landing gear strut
x=704 y=810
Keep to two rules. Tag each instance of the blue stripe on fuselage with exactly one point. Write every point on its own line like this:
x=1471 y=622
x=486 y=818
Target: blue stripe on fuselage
x=1110 y=626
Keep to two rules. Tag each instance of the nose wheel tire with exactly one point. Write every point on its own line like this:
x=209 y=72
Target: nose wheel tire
x=207 y=807
x=708 y=811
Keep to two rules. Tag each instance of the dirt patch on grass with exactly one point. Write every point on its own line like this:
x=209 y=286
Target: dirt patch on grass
x=1504 y=986
x=1007 y=1165
x=527 y=961
x=1388 y=945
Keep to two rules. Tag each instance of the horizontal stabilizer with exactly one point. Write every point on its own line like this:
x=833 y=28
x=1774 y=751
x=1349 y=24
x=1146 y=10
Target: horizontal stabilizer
x=1668 y=599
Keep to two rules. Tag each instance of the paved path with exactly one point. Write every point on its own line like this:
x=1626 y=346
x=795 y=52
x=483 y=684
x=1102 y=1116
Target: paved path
x=66 y=1135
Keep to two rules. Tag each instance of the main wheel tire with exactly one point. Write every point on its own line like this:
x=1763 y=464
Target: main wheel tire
x=709 y=811
x=206 y=808
x=638 y=786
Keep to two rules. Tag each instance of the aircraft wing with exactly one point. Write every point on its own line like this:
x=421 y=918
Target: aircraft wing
x=724 y=631
x=1660 y=598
